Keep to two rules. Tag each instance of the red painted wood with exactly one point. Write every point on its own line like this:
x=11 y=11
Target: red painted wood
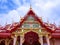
x=31 y=38
x=31 y=13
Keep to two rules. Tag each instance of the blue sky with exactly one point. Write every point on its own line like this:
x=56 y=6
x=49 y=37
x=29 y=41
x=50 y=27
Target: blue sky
x=14 y=9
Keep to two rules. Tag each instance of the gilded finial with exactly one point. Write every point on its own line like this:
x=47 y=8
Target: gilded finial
x=30 y=6
x=12 y=20
x=6 y=22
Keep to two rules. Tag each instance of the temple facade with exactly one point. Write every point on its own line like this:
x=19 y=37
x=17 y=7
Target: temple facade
x=30 y=30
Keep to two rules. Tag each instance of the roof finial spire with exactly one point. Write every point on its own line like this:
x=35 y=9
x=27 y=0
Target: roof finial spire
x=12 y=20
x=30 y=6
x=6 y=22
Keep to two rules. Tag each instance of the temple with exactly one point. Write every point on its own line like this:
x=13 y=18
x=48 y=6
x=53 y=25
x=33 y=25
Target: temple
x=30 y=30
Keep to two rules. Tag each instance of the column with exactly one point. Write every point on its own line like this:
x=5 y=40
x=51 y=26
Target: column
x=21 y=40
x=6 y=42
x=48 y=41
x=41 y=40
x=14 y=40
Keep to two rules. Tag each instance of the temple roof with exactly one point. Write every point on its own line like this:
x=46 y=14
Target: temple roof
x=9 y=28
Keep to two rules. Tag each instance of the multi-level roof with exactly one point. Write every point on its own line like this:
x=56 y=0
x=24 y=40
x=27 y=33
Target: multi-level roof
x=5 y=31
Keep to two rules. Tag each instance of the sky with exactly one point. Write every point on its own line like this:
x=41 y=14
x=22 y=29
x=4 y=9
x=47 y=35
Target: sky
x=12 y=10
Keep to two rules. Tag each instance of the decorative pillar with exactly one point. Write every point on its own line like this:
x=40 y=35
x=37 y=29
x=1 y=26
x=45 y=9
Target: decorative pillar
x=21 y=40
x=47 y=39
x=41 y=39
x=14 y=40
x=6 y=42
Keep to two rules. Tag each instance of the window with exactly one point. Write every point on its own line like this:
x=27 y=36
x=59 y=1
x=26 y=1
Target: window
x=26 y=25
x=35 y=25
x=30 y=18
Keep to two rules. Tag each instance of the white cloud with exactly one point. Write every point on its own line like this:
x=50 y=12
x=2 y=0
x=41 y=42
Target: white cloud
x=43 y=8
x=13 y=15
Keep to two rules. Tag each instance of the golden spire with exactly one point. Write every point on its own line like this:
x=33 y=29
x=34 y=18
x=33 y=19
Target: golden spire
x=30 y=6
x=6 y=22
x=12 y=20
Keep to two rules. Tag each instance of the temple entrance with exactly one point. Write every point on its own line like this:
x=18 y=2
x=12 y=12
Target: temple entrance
x=11 y=42
x=31 y=38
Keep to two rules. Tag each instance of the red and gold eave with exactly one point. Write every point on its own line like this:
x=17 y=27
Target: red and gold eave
x=30 y=12
x=7 y=34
